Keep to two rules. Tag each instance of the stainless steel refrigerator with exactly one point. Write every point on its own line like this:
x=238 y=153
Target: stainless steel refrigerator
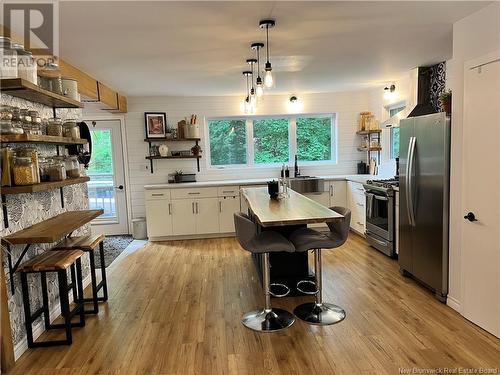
x=424 y=200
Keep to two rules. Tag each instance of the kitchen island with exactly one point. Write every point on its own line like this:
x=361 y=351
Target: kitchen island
x=284 y=216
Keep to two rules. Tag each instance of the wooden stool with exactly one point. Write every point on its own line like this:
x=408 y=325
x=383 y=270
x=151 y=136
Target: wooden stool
x=88 y=244
x=54 y=261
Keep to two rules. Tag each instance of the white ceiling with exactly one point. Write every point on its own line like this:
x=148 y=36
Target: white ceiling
x=199 y=48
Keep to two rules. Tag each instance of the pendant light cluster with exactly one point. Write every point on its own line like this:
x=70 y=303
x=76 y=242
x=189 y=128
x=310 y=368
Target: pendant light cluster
x=255 y=83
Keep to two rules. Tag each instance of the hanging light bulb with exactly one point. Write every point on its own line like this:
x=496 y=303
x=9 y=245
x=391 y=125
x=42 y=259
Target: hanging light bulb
x=252 y=62
x=268 y=77
x=248 y=105
x=259 y=86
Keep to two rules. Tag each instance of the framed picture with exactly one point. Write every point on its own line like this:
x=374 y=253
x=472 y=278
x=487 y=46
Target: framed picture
x=156 y=124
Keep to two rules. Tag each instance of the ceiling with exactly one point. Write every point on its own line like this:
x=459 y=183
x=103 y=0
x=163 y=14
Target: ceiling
x=157 y=48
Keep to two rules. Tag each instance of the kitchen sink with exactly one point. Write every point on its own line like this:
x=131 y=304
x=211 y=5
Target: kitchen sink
x=307 y=184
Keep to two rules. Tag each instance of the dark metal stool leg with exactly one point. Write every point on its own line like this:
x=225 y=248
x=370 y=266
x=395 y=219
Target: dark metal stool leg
x=74 y=283
x=63 y=297
x=45 y=299
x=269 y=319
x=319 y=312
x=79 y=300
x=103 y=272
x=27 y=309
x=94 y=284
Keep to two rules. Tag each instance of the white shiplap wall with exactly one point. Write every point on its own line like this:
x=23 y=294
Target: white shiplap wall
x=346 y=106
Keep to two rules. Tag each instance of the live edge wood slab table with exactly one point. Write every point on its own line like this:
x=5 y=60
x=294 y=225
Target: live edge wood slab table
x=47 y=231
x=284 y=216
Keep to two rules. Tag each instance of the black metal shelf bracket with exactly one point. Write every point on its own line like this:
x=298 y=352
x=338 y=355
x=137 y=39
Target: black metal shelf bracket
x=62 y=196
x=12 y=270
x=4 y=212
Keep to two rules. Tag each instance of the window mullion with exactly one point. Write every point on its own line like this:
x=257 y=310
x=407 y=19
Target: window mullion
x=292 y=141
x=250 y=145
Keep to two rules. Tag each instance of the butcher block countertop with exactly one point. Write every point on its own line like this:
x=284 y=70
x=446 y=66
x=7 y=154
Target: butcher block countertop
x=296 y=209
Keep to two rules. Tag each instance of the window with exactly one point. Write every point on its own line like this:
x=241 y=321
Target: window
x=395 y=132
x=264 y=141
x=270 y=138
x=314 y=138
x=227 y=142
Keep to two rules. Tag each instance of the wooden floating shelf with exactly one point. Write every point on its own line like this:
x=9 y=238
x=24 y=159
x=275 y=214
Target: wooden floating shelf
x=23 y=89
x=369 y=149
x=173 y=157
x=171 y=140
x=33 y=138
x=366 y=132
x=43 y=186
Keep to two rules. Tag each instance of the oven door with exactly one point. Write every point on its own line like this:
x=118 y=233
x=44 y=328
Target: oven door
x=380 y=214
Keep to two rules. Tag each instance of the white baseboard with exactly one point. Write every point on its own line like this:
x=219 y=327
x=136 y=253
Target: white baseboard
x=39 y=328
x=453 y=303
x=191 y=237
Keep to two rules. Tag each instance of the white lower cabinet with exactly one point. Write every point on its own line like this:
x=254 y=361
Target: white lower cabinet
x=159 y=218
x=206 y=215
x=356 y=202
x=338 y=193
x=227 y=207
x=322 y=198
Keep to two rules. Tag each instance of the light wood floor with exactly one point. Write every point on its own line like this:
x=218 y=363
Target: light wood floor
x=175 y=308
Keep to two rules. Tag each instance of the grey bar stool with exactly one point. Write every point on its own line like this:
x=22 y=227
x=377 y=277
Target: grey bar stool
x=270 y=319
x=304 y=239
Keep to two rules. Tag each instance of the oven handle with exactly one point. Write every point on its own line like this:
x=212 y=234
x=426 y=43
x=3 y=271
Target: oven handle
x=409 y=181
x=377 y=241
x=380 y=198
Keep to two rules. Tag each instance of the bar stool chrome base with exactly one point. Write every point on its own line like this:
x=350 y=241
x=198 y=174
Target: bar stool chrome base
x=268 y=320
x=320 y=314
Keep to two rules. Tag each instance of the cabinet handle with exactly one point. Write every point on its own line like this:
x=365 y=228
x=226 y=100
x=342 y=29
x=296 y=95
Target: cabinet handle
x=196 y=205
x=360 y=205
x=170 y=208
x=192 y=206
x=157 y=195
x=220 y=206
x=194 y=193
x=361 y=189
x=331 y=190
x=359 y=223
x=228 y=191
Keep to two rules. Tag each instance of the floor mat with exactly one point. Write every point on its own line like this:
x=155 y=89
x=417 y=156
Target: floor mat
x=113 y=246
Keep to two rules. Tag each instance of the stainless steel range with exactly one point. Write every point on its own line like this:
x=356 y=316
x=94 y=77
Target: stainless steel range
x=380 y=215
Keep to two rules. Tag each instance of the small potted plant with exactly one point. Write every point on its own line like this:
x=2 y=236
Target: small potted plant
x=178 y=176
x=445 y=100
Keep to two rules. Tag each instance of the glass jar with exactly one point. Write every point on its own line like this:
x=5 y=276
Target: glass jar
x=71 y=129
x=57 y=171
x=7 y=159
x=26 y=65
x=72 y=167
x=54 y=127
x=25 y=121
x=5 y=112
x=32 y=153
x=9 y=58
x=23 y=171
x=44 y=169
x=17 y=124
x=36 y=122
x=43 y=126
x=6 y=127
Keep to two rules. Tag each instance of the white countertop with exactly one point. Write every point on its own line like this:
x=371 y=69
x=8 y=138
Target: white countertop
x=255 y=181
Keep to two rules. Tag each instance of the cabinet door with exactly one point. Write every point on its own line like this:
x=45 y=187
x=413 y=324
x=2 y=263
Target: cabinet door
x=227 y=207
x=158 y=218
x=338 y=193
x=183 y=217
x=207 y=215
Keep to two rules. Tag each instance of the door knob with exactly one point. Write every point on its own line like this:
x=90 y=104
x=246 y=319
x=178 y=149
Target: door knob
x=470 y=216
x=120 y=187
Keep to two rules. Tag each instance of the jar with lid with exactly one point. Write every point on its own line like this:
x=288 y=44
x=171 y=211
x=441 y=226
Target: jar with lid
x=26 y=65
x=72 y=167
x=44 y=169
x=43 y=126
x=71 y=129
x=57 y=171
x=5 y=112
x=25 y=121
x=32 y=153
x=9 y=58
x=23 y=171
x=55 y=127
x=36 y=122
x=17 y=125
x=7 y=158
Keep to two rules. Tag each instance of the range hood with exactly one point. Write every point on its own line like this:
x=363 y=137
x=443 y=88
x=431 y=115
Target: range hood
x=418 y=102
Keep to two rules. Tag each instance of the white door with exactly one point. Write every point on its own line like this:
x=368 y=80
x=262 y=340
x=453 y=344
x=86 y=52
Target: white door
x=227 y=207
x=207 y=215
x=481 y=166
x=107 y=177
x=183 y=217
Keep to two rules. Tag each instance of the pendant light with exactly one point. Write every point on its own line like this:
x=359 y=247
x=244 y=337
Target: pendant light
x=268 y=77
x=247 y=105
x=253 y=98
x=259 y=86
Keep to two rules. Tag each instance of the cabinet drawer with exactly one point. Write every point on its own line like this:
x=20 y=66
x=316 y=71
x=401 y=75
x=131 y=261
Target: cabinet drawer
x=358 y=226
x=157 y=194
x=228 y=191
x=208 y=192
x=358 y=202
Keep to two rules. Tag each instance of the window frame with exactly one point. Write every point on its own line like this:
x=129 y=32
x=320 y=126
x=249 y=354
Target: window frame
x=292 y=140
x=389 y=108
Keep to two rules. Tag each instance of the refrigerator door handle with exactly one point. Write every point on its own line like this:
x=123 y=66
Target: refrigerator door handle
x=409 y=181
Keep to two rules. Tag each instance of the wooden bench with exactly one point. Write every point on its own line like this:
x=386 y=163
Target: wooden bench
x=89 y=244
x=59 y=262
